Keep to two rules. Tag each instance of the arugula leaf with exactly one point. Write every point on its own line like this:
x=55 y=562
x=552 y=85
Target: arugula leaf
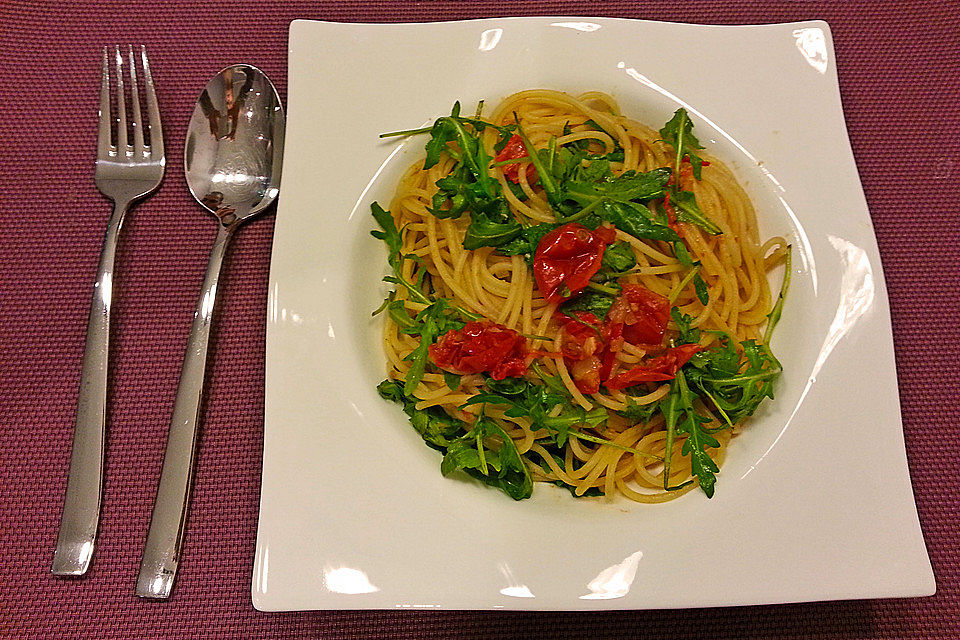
x=507 y=386
x=553 y=383
x=471 y=454
x=483 y=232
x=723 y=360
x=537 y=402
x=681 y=253
x=502 y=468
x=620 y=200
x=637 y=220
x=774 y=316
x=454 y=190
x=398 y=313
x=469 y=187
x=682 y=418
x=700 y=286
x=597 y=170
x=736 y=385
x=389 y=233
x=678 y=133
x=698 y=439
x=435 y=426
x=459 y=455
x=472 y=153
x=733 y=384
x=639 y=413
x=462 y=190
x=590 y=301
x=526 y=242
x=618 y=257
x=452 y=380
x=624 y=188
x=441 y=133
x=617 y=154
x=685 y=204
x=518 y=191
x=429 y=324
x=514 y=477
x=547 y=180
x=688 y=334
x=391 y=236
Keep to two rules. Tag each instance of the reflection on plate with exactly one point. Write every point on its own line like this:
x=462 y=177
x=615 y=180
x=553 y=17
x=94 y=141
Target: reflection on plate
x=354 y=513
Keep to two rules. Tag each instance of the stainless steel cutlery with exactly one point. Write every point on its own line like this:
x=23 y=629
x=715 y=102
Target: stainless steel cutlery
x=232 y=160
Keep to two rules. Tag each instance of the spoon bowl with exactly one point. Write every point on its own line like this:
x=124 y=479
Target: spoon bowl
x=234 y=139
x=232 y=161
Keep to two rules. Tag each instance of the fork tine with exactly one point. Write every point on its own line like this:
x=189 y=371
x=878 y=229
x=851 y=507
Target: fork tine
x=137 y=121
x=121 y=107
x=153 y=109
x=103 y=135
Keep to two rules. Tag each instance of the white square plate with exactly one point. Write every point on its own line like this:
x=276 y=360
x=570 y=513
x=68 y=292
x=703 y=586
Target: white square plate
x=814 y=501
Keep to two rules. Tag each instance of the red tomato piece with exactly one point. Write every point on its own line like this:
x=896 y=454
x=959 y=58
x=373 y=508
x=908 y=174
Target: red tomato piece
x=657 y=369
x=583 y=351
x=586 y=374
x=514 y=151
x=641 y=313
x=577 y=341
x=608 y=360
x=482 y=346
x=567 y=258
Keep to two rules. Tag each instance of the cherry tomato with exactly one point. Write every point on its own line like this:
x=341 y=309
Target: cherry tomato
x=586 y=374
x=568 y=257
x=642 y=314
x=609 y=356
x=577 y=340
x=514 y=151
x=583 y=349
x=657 y=369
x=482 y=346
x=638 y=316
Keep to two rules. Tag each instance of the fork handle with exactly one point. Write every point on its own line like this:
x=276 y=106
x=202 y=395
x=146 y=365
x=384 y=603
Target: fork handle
x=81 y=503
x=161 y=553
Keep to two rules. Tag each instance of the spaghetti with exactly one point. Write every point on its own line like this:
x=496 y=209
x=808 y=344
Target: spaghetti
x=580 y=299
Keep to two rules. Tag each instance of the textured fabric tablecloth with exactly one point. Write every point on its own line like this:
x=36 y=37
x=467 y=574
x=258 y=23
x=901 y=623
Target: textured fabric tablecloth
x=899 y=69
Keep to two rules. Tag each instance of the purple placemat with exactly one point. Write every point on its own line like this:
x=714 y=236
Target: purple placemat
x=898 y=66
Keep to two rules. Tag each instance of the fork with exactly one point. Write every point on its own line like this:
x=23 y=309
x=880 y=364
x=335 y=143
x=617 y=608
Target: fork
x=124 y=173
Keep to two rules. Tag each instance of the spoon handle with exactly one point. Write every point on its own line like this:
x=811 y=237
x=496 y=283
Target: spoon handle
x=161 y=553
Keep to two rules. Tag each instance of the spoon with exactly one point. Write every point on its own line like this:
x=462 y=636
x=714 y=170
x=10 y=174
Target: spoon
x=232 y=161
